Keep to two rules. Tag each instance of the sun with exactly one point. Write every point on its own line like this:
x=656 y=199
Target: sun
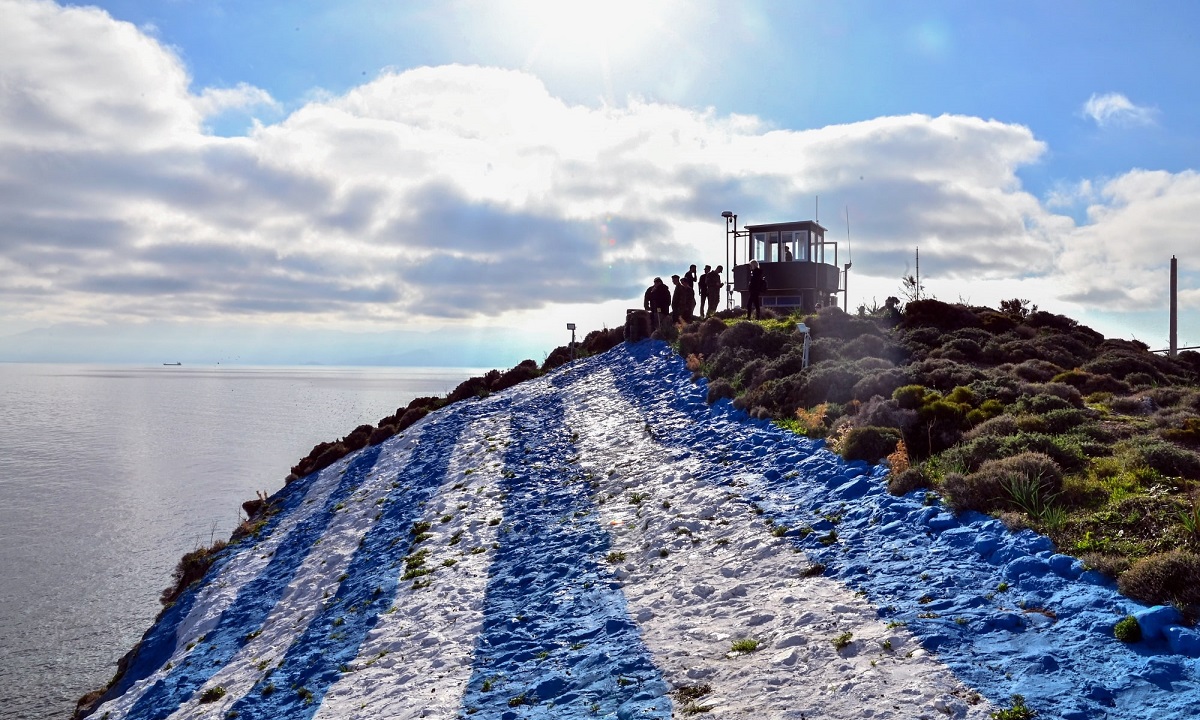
x=585 y=32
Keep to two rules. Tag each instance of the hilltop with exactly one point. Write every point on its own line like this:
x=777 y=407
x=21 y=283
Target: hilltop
x=617 y=538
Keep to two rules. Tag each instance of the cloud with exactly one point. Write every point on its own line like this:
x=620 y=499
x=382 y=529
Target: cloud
x=1119 y=259
x=462 y=193
x=1116 y=109
x=213 y=101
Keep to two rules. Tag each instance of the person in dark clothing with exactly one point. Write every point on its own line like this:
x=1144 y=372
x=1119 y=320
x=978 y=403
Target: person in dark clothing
x=679 y=299
x=758 y=284
x=690 y=298
x=690 y=276
x=704 y=288
x=658 y=303
x=714 y=289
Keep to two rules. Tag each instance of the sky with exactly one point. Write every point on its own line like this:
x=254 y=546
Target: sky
x=447 y=182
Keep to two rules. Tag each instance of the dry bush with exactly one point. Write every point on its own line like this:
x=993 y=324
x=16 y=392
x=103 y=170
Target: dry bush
x=898 y=461
x=524 y=370
x=694 y=361
x=905 y=482
x=1110 y=565
x=191 y=568
x=718 y=389
x=1172 y=577
x=383 y=432
x=357 y=440
x=813 y=419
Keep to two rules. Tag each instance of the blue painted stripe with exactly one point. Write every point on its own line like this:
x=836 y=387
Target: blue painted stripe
x=938 y=574
x=254 y=602
x=159 y=642
x=557 y=640
x=313 y=663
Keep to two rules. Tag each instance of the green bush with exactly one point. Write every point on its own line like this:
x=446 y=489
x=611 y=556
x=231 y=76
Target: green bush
x=991 y=487
x=871 y=444
x=1172 y=577
x=1169 y=459
x=910 y=397
x=1127 y=630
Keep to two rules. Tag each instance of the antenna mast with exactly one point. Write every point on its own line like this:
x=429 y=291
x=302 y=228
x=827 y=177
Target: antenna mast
x=846 y=268
x=918 y=288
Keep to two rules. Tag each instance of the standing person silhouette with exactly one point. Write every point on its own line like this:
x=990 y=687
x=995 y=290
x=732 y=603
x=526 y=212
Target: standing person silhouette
x=704 y=279
x=757 y=285
x=658 y=303
x=714 y=289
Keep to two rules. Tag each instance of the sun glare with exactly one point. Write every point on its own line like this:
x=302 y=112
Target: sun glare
x=584 y=31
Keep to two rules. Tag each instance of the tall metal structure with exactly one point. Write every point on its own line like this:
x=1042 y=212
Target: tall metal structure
x=1174 y=350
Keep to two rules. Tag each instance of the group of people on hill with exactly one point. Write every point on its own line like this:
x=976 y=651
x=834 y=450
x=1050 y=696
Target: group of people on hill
x=663 y=303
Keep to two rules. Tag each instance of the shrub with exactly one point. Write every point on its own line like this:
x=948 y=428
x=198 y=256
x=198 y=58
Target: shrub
x=1088 y=383
x=1127 y=630
x=1172 y=577
x=959 y=350
x=598 y=341
x=937 y=314
x=910 y=397
x=868 y=345
x=1110 y=565
x=992 y=486
x=357 y=440
x=885 y=413
x=945 y=375
x=1066 y=393
x=1036 y=370
x=871 y=444
x=880 y=382
x=1132 y=405
x=1188 y=432
x=1169 y=459
x=381 y=433
x=410 y=417
x=832 y=381
x=907 y=481
x=1062 y=420
x=718 y=389
x=525 y=370
x=191 y=567
x=1121 y=363
x=1000 y=425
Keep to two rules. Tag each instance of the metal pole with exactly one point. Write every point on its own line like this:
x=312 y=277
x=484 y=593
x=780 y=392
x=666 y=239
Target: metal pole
x=1174 y=306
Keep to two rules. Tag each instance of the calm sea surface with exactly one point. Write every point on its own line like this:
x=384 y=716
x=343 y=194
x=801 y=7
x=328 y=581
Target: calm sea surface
x=108 y=474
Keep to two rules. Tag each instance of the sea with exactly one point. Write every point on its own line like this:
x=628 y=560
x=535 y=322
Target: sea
x=109 y=474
